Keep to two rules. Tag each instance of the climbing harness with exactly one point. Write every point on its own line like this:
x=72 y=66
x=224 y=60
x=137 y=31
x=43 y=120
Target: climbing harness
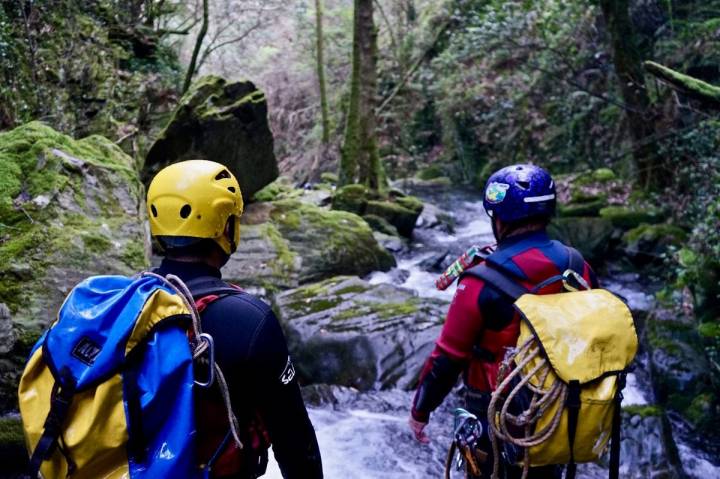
x=464 y=450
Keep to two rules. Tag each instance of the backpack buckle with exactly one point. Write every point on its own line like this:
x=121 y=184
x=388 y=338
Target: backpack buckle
x=210 y=348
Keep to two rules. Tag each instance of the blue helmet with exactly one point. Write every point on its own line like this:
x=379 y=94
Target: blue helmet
x=519 y=192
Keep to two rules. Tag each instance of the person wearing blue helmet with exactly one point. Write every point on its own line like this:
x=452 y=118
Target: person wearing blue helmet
x=481 y=323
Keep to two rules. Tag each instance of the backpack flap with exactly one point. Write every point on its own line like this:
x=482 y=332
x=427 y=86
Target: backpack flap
x=585 y=334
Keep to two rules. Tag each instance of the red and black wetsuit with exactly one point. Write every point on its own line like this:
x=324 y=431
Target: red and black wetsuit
x=252 y=352
x=481 y=324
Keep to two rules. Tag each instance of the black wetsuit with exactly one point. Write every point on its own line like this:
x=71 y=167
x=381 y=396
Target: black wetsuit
x=251 y=350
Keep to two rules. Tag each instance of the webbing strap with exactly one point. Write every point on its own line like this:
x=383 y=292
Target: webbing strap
x=573 y=407
x=615 y=444
x=209 y=285
x=63 y=392
x=576 y=261
x=498 y=279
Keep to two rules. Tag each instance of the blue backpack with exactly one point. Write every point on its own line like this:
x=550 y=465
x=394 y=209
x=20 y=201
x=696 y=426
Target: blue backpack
x=108 y=389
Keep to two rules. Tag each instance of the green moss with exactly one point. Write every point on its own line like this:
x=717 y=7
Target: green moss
x=649 y=410
x=134 y=256
x=645 y=232
x=709 y=330
x=700 y=408
x=285 y=257
x=603 y=175
x=590 y=208
x=399 y=309
x=273 y=191
x=352 y=198
x=431 y=172
x=330 y=178
x=628 y=218
x=95 y=242
x=381 y=224
x=410 y=202
x=399 y=216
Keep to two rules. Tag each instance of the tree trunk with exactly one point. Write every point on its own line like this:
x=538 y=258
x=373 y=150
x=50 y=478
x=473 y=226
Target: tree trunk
x=628 y=68
x=321 y=72
x=350 y=146
x=198 y=45
x=369 y=171
x=360 y=159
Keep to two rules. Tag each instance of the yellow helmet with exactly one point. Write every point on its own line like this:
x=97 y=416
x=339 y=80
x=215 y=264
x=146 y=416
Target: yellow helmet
x=193 y=200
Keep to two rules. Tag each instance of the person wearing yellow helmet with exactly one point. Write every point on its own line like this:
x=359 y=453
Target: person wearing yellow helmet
x=194 y=208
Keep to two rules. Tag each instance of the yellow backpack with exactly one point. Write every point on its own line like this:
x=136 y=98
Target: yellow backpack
x=559 y=391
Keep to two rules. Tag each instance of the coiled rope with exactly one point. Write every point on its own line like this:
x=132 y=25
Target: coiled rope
x=199 y=346
x=541 y=400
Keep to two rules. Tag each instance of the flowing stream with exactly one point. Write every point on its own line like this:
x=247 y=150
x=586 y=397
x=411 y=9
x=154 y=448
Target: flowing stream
x=365 y=435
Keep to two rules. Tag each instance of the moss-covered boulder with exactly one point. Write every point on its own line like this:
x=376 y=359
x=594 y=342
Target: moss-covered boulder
x=589 y=235
x=587 y=207
x=289 y=242
x=346 y=331
x=399 y=210
x=352 y=198
x=220 y=121
x=630 y=217
x=381 y=225
x=649 y=244
x=68 y=209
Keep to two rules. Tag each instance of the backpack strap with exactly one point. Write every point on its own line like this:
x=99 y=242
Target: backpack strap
x=572 y=404
x=576 y=262
x=63 y=392
x=495 y=276
x=615 y=445
x=210 y=286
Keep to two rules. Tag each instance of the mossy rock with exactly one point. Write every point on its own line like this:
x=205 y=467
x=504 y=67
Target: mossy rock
x=381 y=225
x=352 y=198
x=649 y=244
x=68 y=208
x=346 y=331
x=628 y=218
x=280 y=188
x=220 y=121
x=329 y=178
x=430 y=173
x=294 y=243
x=603 y=175
x=586 y=208
x=397 y=214
x=646 y=410
x=589 y=235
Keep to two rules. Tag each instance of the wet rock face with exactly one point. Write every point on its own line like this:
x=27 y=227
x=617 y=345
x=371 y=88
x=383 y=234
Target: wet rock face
x=292 y=243
x=224 y=122
x=643 y=452
x=68 y=209
x=345 y=331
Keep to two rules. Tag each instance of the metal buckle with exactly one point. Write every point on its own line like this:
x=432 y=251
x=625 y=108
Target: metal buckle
x=211 y=365
x=573 y=281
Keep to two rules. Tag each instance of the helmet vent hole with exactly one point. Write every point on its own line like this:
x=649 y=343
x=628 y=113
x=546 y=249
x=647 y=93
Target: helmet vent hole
x=525 y=185
x=223 y=175
x=153 y=210
x=185 y=211
x=231 y=188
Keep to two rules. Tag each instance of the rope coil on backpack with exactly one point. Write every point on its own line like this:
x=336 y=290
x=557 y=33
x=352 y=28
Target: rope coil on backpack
x=200 y=345
x=499 y=417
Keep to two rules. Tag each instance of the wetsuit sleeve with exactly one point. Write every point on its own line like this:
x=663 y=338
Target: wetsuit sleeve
x=453 y=350
x=281 y=405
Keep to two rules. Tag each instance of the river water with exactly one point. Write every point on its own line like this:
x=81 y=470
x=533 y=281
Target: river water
x=365 y=435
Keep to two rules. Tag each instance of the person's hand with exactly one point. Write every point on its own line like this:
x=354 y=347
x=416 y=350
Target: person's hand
x=418 y=429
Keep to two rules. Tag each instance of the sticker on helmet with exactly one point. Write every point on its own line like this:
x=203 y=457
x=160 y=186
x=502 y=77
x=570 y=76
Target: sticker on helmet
x=496 y=192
